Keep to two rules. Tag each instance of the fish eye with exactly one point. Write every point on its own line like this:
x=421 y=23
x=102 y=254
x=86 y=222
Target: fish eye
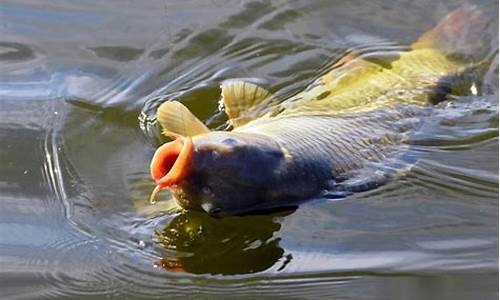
x=230 y=142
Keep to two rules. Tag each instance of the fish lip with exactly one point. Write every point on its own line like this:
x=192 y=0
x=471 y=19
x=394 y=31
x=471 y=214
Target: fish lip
x=178 y=157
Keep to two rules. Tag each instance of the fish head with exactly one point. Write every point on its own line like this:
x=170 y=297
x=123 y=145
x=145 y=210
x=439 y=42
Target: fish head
x=222 y=173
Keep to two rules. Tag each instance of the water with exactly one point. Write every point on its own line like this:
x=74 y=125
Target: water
x=75 y=77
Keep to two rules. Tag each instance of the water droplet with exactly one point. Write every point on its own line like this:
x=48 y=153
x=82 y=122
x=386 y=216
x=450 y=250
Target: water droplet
x=473 y=89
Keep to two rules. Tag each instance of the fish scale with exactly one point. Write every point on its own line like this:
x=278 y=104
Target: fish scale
x=342 y=138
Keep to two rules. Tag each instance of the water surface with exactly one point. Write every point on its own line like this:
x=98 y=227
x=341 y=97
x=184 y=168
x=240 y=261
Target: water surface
x=76 y=78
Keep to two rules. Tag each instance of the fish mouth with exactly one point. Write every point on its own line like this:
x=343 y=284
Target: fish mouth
x=171 y=163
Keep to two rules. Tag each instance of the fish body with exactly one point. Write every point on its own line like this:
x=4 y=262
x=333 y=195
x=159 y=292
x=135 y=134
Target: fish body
x=360 y=85
x=344 y=133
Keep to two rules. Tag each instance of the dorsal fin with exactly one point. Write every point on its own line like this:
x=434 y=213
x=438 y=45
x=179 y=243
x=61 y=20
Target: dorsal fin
x=461 y=32
x=175 y=118
x=243 y=100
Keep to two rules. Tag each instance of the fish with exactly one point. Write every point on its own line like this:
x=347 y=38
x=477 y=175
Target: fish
x=346 y=132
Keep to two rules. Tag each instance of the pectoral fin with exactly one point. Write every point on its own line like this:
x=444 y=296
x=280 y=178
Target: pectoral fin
x=243 y=101
x=175 y=118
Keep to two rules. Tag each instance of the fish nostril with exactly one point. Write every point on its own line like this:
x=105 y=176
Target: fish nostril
x=215 y=154
x=206 y=190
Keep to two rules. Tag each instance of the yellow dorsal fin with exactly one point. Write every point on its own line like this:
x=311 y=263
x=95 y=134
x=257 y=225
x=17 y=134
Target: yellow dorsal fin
x=175 y=118
x=243 y=100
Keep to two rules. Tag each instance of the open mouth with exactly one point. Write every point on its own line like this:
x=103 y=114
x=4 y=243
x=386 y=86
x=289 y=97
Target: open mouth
x=170 y=163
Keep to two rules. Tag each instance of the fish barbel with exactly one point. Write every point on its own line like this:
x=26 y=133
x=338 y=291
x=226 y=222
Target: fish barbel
x=344 y=133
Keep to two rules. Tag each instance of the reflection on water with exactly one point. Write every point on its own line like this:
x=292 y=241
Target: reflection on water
x=74 y=179
x=197 y=243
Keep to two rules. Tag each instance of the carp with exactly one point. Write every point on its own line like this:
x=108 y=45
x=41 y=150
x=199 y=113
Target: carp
x=346 y=132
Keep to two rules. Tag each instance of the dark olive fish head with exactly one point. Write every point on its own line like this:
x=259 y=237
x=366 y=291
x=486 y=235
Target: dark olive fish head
x=222 y=173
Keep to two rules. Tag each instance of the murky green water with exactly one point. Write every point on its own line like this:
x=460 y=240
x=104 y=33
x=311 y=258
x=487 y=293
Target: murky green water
x=74 y=178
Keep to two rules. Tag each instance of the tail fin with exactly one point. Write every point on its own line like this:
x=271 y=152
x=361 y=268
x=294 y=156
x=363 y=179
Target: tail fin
x=463 y=33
